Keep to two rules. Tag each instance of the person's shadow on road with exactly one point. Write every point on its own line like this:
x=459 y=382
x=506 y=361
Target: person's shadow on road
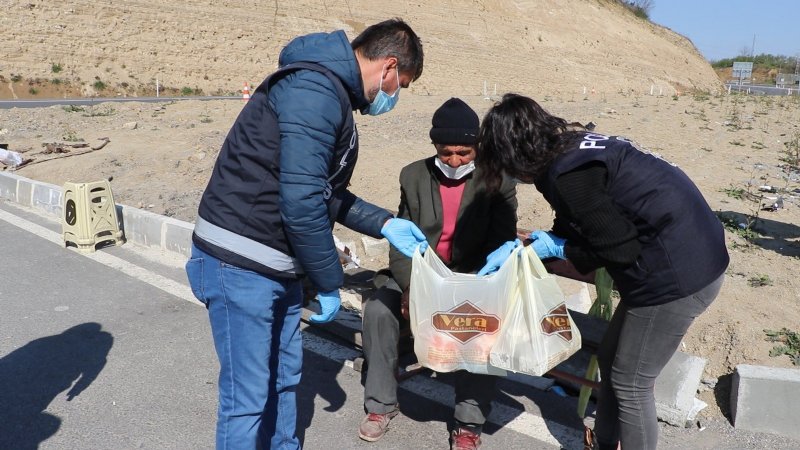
x=317 y=383
x=33 y=375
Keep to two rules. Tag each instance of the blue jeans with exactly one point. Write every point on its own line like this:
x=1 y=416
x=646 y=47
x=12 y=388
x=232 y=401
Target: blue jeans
x=255 y=321
x=637 y=345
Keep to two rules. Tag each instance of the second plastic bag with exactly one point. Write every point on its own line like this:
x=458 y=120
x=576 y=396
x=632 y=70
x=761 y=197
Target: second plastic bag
x=538 y=333
x=455 y=317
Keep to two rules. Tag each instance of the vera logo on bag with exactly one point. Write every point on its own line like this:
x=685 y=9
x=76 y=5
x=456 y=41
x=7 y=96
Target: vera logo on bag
x=556 y=321
x=465 y=322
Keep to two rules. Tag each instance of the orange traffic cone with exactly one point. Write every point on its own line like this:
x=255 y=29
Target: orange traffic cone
x=246 y=92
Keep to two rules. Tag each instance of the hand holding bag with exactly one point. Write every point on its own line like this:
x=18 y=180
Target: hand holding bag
x=537 y=332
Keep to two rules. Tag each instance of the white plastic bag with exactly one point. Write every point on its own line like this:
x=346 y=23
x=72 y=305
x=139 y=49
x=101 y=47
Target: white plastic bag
x=10 y=158
x=455 y=317
x=538 y=333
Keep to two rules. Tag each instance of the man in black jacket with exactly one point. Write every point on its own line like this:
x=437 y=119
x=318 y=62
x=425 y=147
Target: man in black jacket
x=266 y=217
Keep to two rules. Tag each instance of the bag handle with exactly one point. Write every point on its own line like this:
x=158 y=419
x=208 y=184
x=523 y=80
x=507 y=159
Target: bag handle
x=533 y=262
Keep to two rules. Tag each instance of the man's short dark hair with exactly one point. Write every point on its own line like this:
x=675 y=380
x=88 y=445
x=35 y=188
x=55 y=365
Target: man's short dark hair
x=394 y=38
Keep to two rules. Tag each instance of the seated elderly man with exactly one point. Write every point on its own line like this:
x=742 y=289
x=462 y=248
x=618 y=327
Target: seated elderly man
x=447 y=199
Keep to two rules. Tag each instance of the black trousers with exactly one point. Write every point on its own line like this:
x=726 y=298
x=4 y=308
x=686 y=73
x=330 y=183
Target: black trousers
x=380 y=336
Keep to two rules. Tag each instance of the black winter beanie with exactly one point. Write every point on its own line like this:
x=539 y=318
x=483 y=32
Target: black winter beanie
x=455 y=123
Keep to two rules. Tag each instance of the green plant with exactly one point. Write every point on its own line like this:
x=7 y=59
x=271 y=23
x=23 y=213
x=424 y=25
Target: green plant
x=736 y=143
x=94 y=112
x=73 y=108
x=186 y=90
x=55 y=68
x=791 y=153
x=639 y=8
x=741 y=229
x=205 y=119
x=16 y=78
x=734 y=121
x=33 y=91
x=760 y=280
x=56 y=81
x=71 y=136
x=764 y=60
x=734 y=192
x=758 y=145
x=789 y=344
x=99 y=85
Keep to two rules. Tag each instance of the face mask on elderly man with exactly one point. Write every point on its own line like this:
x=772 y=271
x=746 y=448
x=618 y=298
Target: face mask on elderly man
x=454 y=173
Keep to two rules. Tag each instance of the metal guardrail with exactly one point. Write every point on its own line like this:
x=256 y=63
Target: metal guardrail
x=753 y=89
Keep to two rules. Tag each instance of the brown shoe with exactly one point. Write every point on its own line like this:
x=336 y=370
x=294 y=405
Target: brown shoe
x=374 y=426
x=464 y=439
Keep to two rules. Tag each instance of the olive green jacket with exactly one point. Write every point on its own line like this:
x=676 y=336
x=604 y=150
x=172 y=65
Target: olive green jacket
x=485 y=221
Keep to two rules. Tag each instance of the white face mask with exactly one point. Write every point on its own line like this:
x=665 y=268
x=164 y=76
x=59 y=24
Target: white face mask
x=454 y=173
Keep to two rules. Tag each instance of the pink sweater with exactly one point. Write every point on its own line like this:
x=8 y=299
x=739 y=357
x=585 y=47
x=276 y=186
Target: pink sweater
x=451 y=192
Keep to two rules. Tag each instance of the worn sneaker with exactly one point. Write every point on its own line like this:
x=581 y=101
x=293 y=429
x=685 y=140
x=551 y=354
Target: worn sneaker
x=374 y=426
x=464 y=439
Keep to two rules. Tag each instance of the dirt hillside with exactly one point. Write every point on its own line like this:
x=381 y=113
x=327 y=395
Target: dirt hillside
x=105 y=48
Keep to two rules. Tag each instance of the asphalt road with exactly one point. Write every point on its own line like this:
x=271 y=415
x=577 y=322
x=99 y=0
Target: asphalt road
x=109 y=350
x=754 y=89
x=44 y=103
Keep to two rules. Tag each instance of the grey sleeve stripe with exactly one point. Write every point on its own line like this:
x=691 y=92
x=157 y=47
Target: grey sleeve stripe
x=246 y=247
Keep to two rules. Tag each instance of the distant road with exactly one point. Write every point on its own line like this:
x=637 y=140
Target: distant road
x=44 y=103
x=761 y=90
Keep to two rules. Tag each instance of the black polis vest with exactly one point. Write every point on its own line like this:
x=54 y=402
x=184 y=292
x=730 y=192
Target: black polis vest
x=682 y=241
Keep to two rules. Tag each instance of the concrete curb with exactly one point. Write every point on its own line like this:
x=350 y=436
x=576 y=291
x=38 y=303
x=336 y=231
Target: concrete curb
x=139 y=226
x=766 y=399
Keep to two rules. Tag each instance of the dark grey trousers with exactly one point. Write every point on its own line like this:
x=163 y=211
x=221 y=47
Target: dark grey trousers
x=637 y=345
x=380 y=336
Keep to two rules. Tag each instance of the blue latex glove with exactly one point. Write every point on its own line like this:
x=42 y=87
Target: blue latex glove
x=329 y=303
x=548 y=245
x=405 y=236
x=498 y=257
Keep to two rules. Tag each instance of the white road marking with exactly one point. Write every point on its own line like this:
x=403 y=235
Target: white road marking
x=167 y=285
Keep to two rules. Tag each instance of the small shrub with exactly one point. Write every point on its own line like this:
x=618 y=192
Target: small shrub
x=791 y=153
x=789 y=344
x=99 y=85
x=33 y=91
x=16 y=78
x=55 y=68
x=73 y=108
x=93 y=112
x=186 y=90
x=639 y=8
x=743 y=230
x=760 y=280
x=56 y=81
x=734 y=192
x=71 y=136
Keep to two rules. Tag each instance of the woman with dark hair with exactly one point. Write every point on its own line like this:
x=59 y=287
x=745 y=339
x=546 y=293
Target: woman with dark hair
x=631 y=212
